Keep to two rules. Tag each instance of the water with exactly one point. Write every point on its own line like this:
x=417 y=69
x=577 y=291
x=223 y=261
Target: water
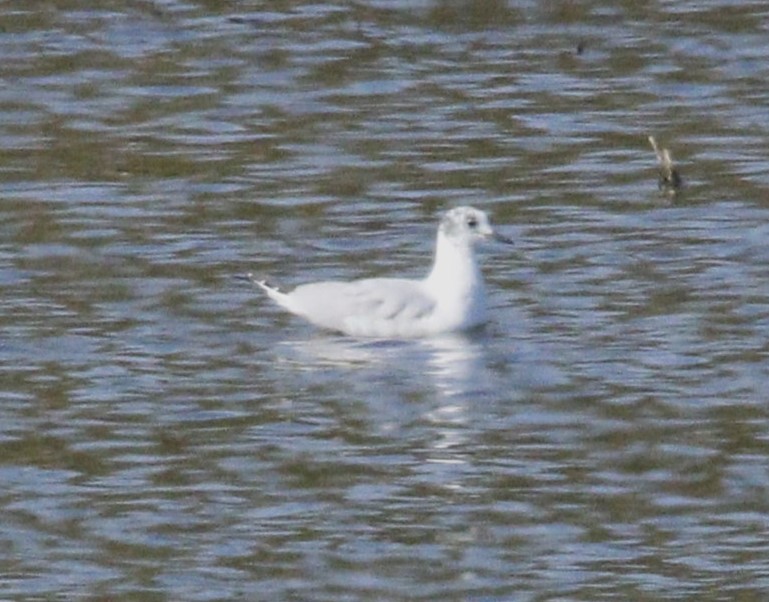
x=166 y=433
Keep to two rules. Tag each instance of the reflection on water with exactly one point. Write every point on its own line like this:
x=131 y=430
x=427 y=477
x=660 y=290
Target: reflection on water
x=166 y=433
x=453 y=362
x=453 y=367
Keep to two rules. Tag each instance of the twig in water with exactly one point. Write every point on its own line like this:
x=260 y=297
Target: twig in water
x=670 y=179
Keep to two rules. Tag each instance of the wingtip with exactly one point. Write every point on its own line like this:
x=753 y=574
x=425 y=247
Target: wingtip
x=261 y=283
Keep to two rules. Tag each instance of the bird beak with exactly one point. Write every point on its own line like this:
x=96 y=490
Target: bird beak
x=503 y=239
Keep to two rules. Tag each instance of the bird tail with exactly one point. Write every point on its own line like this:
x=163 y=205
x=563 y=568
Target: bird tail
x=272 y=291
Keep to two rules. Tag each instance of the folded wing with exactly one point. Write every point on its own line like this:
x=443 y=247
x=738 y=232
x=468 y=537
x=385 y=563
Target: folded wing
x=372 y=307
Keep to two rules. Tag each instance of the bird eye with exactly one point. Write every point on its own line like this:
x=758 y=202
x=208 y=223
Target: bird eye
x=472 y=222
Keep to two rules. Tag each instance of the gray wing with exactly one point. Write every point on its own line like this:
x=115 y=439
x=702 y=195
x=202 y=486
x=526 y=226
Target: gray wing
x=372 y=307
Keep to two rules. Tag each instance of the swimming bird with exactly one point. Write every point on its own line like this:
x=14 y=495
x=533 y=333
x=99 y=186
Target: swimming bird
x=450 y=298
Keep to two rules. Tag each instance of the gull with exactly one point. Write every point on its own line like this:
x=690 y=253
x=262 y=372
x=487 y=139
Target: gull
x=451 y=298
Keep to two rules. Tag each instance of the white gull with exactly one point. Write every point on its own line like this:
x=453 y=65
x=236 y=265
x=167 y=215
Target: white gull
x=451 y=298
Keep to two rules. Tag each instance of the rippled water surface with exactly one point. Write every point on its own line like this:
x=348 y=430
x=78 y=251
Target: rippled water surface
x=167 y=433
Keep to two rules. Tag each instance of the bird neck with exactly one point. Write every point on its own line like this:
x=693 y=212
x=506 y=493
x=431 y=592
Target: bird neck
x=455 y=266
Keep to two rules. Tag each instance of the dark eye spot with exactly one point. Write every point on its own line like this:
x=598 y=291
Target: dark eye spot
x=472 y=222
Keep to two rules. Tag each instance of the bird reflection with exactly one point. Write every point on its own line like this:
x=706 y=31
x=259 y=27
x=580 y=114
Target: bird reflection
x=417 y=397
x=453 y=363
